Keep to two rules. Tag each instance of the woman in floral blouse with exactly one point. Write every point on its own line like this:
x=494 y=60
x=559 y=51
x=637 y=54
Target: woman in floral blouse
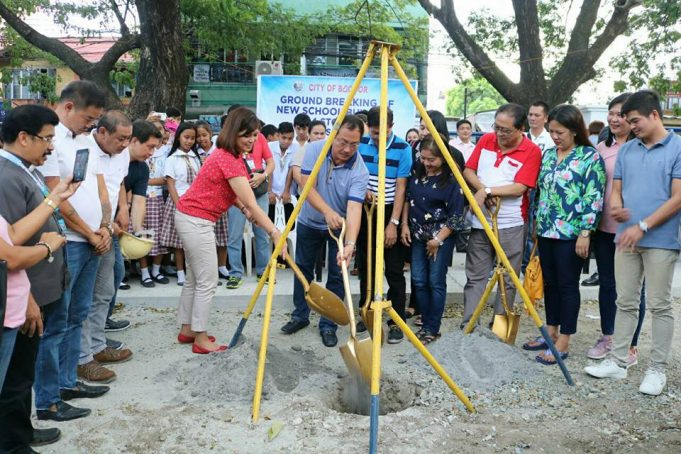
x=434 y=211
x=570 y=191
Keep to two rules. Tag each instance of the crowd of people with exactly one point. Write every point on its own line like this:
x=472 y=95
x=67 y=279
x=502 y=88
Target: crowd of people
x=195 y=192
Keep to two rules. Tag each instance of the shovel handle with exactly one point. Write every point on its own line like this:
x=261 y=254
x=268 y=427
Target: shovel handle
x=370 y=231
x=346 y=281
x=299 y=274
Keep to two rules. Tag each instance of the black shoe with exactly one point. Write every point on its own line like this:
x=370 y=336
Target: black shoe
x=223 y=276
x=169 y=271
x=25 y=450
x=83 y=391
x=294 y=326
x=148 y=283
x=65 y=412
x=159 y=278
x=361 y=327
x=116 y=325
x=124 y=286
x=42 y=437
x=329 y=338
x=395 y=335
x=591 y=281
x=116 y=345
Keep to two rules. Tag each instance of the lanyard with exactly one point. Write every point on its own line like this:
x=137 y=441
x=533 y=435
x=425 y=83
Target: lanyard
x=41 y=185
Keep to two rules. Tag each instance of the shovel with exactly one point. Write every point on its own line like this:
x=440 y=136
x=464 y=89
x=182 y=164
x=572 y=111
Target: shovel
x=322 y=301
x=357 y=353
x=366 y=312
x=505 y=326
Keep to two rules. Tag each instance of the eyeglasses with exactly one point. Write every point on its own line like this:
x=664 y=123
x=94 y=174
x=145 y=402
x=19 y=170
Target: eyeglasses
x=47 y=140
x=351 y=145
x=503 y=131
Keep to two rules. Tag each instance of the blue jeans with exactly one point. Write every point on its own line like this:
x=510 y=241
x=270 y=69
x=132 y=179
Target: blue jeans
x=46 y=384
x=603 y=245
x=309 y=242
x=119 y=273
x=9 y=336
x=82 y=264
x=236 y=222
x=429 y=278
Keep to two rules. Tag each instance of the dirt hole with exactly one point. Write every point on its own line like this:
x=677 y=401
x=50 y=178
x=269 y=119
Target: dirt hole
x=354 y=396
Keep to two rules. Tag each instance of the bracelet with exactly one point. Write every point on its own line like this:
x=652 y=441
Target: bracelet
x=272 y=232
x=243 y=207
x=50 y=203
x=49 y=257
x=350 y=243
x=109 y=228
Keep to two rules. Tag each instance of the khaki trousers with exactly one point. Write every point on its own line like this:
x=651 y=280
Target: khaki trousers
x=657 y=266
x=198 y=238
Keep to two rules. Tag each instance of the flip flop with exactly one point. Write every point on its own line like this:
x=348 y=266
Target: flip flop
x=541 y=344
x=542 y=360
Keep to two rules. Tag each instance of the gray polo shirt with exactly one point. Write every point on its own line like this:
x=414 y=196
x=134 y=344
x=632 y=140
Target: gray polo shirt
x=647 y=175
x=19 y=195
x=335 y=184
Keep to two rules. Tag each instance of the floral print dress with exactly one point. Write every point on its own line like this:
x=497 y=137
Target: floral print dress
x=570 y=193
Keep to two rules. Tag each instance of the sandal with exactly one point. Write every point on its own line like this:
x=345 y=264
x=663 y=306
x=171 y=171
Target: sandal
x=148 y=283
x=426 y=338
x=539 y=344
x=418 y=321
x=542 y=359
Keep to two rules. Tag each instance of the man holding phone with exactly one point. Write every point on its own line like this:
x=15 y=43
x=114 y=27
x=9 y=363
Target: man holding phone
x=80 y=105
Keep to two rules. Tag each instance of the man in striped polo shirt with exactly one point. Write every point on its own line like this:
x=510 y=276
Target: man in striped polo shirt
x=398 y=166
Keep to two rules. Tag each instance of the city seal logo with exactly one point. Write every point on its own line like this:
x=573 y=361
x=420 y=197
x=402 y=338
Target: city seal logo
x=298 y=86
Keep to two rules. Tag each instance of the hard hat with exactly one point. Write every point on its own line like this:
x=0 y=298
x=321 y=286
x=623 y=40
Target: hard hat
x=133 y=247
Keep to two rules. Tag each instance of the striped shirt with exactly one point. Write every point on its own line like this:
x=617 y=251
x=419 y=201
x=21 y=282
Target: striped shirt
x=397 y=163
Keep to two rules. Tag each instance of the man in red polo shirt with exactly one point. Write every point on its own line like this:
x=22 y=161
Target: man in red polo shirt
x=504 y=164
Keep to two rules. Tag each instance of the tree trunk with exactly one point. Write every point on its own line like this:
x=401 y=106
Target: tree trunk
x=163 y=74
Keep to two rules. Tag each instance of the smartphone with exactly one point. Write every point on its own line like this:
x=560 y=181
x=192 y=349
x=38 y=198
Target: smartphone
x=80 y=165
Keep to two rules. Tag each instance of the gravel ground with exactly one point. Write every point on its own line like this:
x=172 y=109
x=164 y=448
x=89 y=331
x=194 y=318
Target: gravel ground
x=168 y=400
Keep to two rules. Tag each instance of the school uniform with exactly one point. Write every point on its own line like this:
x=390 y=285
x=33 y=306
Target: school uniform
x=153 y=219
x=183 y=168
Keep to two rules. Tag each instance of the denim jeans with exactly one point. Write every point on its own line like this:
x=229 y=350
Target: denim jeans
x=561 y=267
x=82 y=264
x=119 y=273
x=309 y=242
x=429 y=278
x=92 y=338
x=603 y=245
x=9 y=336
x=236 y=221
x=46 y=385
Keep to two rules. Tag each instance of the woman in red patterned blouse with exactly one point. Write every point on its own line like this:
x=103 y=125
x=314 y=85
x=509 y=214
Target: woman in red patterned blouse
x=221 y=183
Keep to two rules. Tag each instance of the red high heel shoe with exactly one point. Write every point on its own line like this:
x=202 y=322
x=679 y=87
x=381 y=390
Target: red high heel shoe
x=203 y=351
x=181 y=338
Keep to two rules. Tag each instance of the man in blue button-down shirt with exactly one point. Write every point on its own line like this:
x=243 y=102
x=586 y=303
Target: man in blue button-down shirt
x=646 y=201
x=338 y=193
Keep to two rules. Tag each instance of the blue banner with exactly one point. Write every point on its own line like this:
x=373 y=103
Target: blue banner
x=281 y=98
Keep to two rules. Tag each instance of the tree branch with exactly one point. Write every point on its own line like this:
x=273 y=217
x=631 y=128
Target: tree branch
x=120 y=47
x=121 y=20
x=446 y=14
x=51 y=45
x=579 y=62
x=529 y=46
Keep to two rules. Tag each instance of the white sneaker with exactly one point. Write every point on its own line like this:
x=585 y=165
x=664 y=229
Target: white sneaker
x=653 y=382
x=606 y=369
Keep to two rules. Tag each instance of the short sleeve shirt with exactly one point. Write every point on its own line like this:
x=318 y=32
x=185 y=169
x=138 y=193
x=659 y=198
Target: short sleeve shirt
x=282 y=163
x=495 y=168
x=175 y=167
x=18 y=288
x=60 y=164
x=647 y=175
x=137 y=179
x=211 y=194
x=543 y=140
x=156 y=166
x=337 y=185
x=114 y=168
x=609 y=156
x=261 y=153
x=397 y=165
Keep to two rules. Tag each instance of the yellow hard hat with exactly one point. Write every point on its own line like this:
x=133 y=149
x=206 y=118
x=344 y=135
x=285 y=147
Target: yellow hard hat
x=133 y=247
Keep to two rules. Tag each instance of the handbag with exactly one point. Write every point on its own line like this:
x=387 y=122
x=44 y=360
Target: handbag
x=262 y=187
x=534 y=280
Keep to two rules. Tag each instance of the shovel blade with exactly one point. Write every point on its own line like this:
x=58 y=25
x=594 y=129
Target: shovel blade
x=357 y=357
x=368 y=318
x=505 y=327
x=327 y=304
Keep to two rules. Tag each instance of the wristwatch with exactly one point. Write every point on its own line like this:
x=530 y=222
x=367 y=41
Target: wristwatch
x=643 y=226
x=394 y=221
x=488 y=191
x=585 y=233
x=109 y=227
x=350 y=243
x=439 y=241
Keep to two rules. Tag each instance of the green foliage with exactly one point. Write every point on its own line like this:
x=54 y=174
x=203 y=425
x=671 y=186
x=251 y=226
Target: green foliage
x=480 y=96
x=43 y=84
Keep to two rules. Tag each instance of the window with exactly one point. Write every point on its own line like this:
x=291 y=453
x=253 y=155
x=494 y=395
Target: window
x=19 y=87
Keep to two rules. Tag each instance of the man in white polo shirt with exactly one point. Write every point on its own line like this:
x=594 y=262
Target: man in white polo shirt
x=537 y=117
x=80 y=105
x=109 y=142
x=504 y=164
